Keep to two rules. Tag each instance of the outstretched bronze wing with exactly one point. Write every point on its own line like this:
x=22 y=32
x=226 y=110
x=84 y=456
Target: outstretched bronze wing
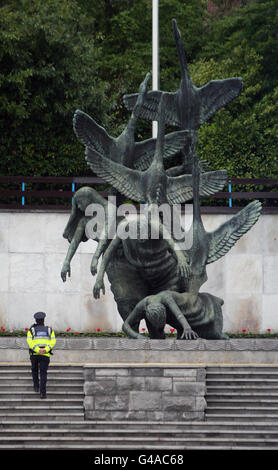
x=92 y=134
x=144 y=151
x=180 y=188
x=223 y=238
x=125 y=180
x=213 y=96
x=216 y=94
x=149 y=109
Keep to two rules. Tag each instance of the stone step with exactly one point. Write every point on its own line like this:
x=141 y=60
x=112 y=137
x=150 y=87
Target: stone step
x=243 y=373
x=40 y=409
x=134 y=447
x=139 y=427
x=159 y=434
x=51 y=390
x=27 y=373
x=29 y=386
x=233 y=391
x=29 y=393
x=164 y=442
x=260 y=392
x=53 y=416
x=241 y=402
x=238 y=417
x=242 y=389
x=51 y=370
x=243 y=409
x=52 y=367
x=36 y=400
x=242 y=378
x=241 y=382
x=242 y=413
x=248 y=368
x=58 y=381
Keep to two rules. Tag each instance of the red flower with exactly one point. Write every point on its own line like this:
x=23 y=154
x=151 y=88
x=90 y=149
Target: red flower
x=68 y=329
x=269 y=329
x=143 y=329
x=26 y=329
x=244 y=331
x=172 y=330
x=98 y=329
x=3 y=329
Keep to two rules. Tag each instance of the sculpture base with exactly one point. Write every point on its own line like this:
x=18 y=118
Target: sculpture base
x=85 y=350
x=145 y=392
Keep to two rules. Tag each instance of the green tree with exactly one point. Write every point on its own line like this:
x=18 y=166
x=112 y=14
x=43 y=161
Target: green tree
x=48 y=68
x=243 y=137
x=123 y=32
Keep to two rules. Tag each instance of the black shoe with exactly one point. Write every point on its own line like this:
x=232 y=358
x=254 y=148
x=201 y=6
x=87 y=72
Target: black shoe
x=43 y=395
x=36 y=389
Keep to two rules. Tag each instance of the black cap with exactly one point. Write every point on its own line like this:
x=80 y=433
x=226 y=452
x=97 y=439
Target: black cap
x=39 y=316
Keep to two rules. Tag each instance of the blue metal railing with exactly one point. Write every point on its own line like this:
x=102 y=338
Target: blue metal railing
x=73 y=190
x=230 y=199
x=23 y=198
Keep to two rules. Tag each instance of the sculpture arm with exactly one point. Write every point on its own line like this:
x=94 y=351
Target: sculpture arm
x=99 y=285
x=74 y=244
x=135 y=315
x=188 y=333
x=102 y=245
x=182 y=259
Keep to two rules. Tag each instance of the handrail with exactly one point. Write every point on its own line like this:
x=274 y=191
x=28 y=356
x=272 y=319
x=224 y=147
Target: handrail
x=25 y=197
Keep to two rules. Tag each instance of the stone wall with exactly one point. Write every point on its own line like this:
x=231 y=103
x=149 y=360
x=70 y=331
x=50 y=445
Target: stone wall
x=32 y=251
x=144 y=393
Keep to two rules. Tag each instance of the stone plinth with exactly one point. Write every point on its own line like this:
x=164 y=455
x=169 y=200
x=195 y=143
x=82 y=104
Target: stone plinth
x=30 y=276
x=144 y=392
x=87 y=350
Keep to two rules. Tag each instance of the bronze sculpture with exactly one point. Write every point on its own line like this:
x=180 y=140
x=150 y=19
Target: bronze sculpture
x=155 y=278
x=189 y=106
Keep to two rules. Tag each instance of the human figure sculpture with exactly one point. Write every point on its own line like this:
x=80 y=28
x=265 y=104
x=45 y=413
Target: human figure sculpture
x=75 y=230
x=159 y=261
x=182 y=310
x=135 y=288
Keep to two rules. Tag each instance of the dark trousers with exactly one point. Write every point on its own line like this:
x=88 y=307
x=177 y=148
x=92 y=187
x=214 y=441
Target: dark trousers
x=40 y=363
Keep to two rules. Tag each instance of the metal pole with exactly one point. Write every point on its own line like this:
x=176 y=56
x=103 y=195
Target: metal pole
x=155 y=54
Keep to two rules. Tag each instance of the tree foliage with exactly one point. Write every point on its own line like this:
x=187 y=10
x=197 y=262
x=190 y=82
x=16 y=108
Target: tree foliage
x=56 y=56
x=48 y=68
x=243 y=137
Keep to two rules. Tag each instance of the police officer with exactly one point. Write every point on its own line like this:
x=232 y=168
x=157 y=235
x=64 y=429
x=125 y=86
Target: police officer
x=41 y=340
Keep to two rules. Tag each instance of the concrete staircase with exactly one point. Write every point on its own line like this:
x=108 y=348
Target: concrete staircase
x=244 y=400
x=242 y=413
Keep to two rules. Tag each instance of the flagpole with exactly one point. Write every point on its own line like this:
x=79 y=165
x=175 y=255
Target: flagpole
x=155 y=54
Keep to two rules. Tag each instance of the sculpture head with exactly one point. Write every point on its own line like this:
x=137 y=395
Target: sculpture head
x=156 y=315
x=82 y=198
x=183 y=63
x=143 y=88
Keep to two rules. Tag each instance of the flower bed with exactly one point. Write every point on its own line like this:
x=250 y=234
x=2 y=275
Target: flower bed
x=69 y=333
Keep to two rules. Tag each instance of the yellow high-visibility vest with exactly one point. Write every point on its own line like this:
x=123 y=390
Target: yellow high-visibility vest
x=41 y=337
